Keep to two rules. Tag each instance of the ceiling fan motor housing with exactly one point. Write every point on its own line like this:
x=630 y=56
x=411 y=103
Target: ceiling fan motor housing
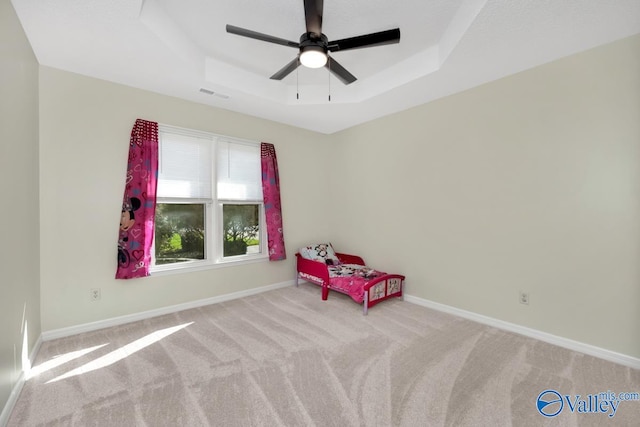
x=312 y=39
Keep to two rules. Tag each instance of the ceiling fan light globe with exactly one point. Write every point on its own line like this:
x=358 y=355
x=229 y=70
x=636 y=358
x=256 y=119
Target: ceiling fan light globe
x=313 y=57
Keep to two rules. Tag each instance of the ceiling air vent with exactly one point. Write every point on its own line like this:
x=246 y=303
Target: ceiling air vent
x=210 y=92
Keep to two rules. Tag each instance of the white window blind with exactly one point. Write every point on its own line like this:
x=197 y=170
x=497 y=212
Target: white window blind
x=239 y=171
x=184 y=167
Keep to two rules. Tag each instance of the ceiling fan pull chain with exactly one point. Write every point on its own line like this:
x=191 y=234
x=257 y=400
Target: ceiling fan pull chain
x=329 y=77
x=298 y=80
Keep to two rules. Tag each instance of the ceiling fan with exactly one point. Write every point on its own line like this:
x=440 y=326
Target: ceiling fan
x=315 y=47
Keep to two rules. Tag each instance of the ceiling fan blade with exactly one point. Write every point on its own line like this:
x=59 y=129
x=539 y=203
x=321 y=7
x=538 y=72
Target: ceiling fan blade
x=367 y=40
x=260 y=36
x=339 y=71
x=313 y=16
x=286 y=70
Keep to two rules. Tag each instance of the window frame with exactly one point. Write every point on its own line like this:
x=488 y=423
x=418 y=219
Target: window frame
x=213 y=229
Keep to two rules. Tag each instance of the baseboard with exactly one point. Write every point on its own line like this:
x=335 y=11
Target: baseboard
x=121 y=320
x=589 y=349
x=17 y=387
x=13 y=398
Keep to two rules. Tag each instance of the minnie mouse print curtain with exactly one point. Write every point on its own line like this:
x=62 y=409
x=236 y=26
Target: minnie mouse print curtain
x=139 y=202
x=272 y=207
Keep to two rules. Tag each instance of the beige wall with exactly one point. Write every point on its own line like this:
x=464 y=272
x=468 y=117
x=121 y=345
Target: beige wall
x=84 y=135
x=19 y=264
x=528 y=183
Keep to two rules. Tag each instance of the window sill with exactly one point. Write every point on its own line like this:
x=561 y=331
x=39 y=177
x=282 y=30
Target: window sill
x=191 y=267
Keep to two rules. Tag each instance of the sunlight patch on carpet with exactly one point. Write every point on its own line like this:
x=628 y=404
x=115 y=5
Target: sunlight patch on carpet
x=121 y=353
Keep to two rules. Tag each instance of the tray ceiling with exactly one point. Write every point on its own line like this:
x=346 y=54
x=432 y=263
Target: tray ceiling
x=178 y=48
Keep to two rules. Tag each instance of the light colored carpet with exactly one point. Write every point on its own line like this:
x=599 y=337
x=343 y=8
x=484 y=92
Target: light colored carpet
x=286 y=357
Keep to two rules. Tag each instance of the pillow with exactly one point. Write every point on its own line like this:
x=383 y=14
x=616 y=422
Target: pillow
x=322 y=252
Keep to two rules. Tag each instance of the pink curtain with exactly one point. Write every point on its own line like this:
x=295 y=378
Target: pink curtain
x=272 y=208
x=139 y=202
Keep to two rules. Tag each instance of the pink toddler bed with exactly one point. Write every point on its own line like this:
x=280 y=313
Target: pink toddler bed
x=347 y=274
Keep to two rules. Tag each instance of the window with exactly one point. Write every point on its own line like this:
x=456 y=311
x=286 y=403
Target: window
x=209 y=201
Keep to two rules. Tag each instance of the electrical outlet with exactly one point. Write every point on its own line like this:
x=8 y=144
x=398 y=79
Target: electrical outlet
x=95 y=294
x=524 y=298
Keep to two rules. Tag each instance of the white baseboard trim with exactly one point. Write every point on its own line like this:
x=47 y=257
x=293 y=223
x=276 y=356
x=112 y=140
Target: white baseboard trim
x=11 y=402
x=589 y=349
x=121 y=320
x=17 y=387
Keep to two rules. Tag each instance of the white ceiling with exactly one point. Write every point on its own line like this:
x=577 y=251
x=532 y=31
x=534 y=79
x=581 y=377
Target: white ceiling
x=177 y=47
